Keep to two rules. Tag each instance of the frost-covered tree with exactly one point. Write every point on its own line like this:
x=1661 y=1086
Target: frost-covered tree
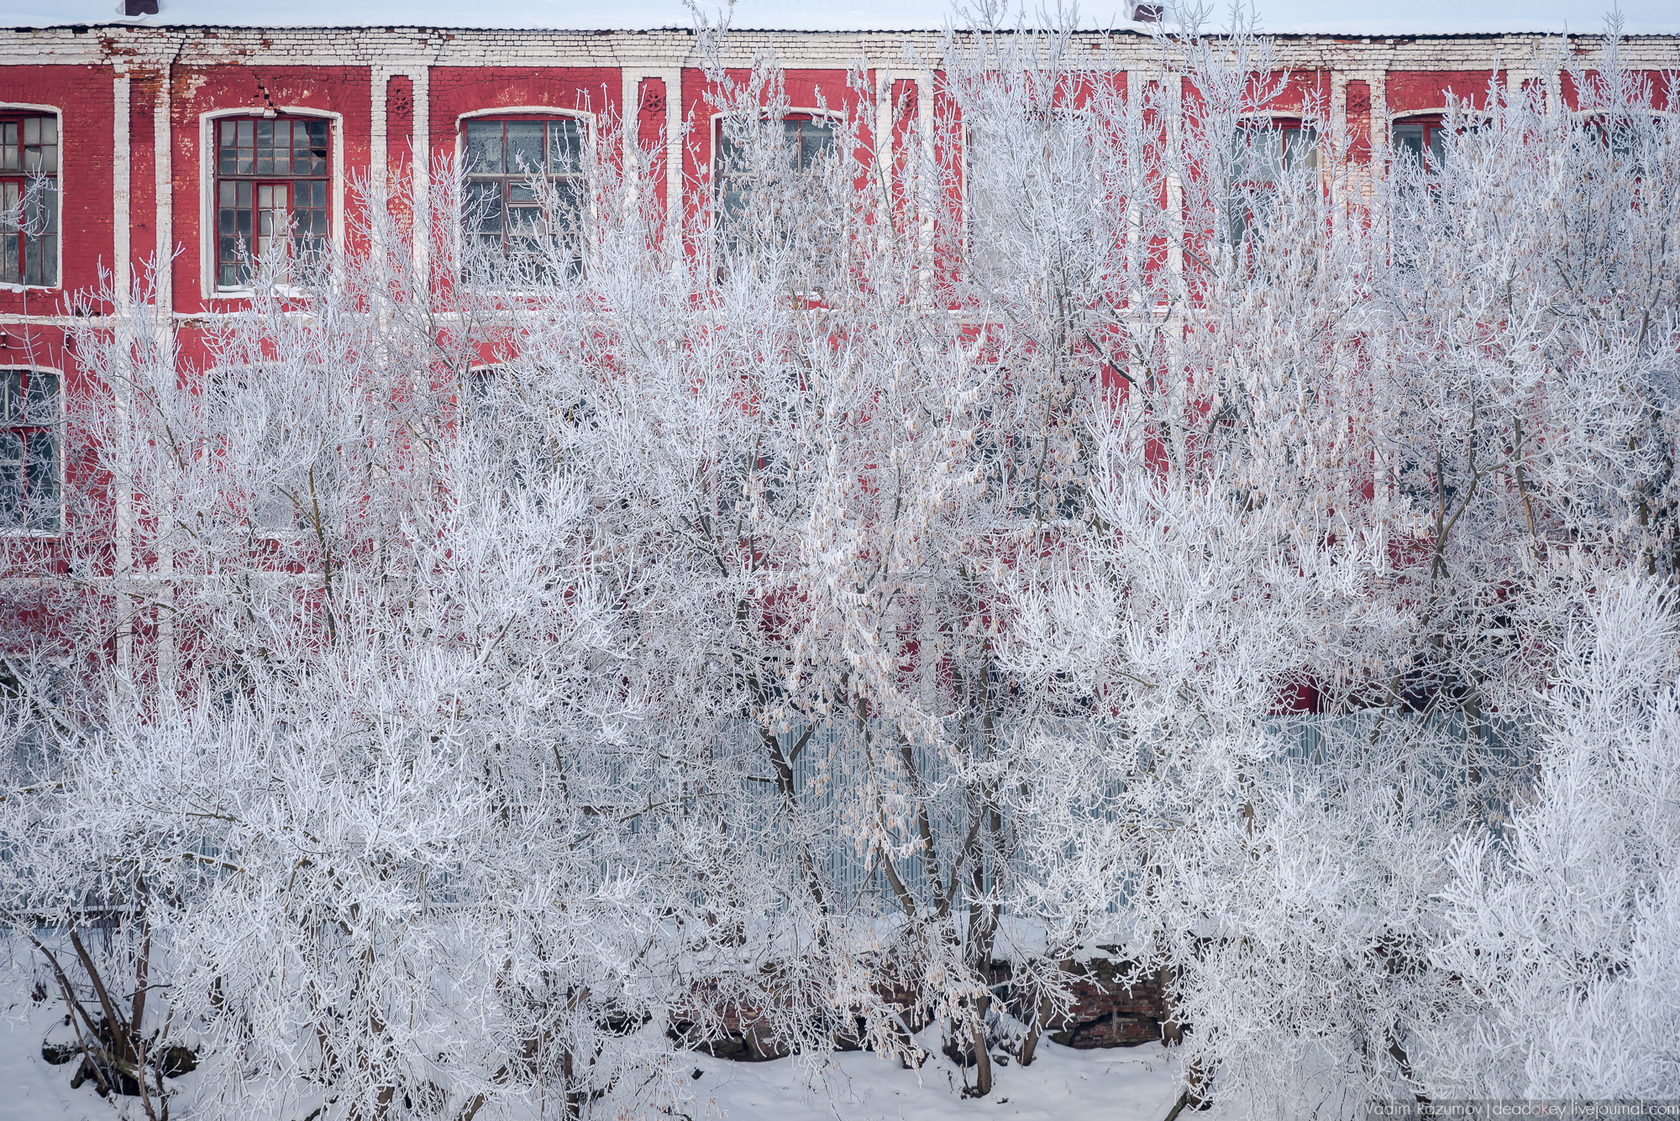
x=1383 y=438
x=1561 y=933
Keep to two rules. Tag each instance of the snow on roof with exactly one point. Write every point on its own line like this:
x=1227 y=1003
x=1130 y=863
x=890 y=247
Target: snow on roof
x=1375 y=17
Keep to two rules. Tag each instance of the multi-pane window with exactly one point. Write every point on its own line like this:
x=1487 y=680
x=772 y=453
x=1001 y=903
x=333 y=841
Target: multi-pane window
x=272 y=179
x=521 y=430
x=486 y=412
x=28 y=199
x=30 y=421
x=1264 y=155
x=276 y=444
x=1054 y=207
x=1637 y=142
x=806 y=139
x=525 y=191
x=1421 y=145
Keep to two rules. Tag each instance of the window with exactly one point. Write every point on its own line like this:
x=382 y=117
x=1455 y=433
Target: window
x=28 y=199
x=806 y=138
x=1422 y=140
x=1053 y=213
x=272 y=176
x=525 y=193
x=1421 y=147
x=1423 y=144
x=512 y=429
x=1002 y=188
x=30 y=421
x=1635 y=141
x=1264 y=154
x=488 y=414
x=275 y=431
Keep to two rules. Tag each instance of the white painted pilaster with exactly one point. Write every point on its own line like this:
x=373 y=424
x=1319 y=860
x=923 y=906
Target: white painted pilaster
x=629 y=100
x=163 y=178
x=674 y=140
x=121 y=193
x=379 y=176
x=1339 y=134
x=421 y=161
x=121 y=281
x=164 y=171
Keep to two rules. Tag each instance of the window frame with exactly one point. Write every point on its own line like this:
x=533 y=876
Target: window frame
x=968 y=134
x=215 y=379
x=1594 y=122
x=473 y=388
x=475 y=422
x=1282 y=122
x=512 y=112
x=210 y=179
x=714 y=198
x=58 y=426
x=1433 y=122
x=19 y=110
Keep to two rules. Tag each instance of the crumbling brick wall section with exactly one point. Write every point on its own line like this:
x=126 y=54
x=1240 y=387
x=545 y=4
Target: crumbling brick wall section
x=1113 y=1006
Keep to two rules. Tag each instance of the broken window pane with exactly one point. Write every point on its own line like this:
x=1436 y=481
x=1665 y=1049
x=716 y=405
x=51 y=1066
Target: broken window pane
x=272 y=176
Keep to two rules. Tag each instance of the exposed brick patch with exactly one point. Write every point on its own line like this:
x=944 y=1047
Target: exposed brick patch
x=1114 y=1005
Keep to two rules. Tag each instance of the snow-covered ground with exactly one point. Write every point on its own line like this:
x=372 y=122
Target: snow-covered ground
x=1124 y=1084
x=30 y=1089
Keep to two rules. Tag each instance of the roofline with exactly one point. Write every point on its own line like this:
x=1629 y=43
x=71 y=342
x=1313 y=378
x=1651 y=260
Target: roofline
x=1130 y=29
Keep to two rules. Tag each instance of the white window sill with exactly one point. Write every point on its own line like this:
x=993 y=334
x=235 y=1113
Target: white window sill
x=284 y=290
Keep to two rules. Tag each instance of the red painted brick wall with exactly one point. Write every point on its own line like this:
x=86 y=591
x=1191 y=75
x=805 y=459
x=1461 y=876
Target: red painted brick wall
x=83 y=97
x=399 y=126
x=221 y=69
x=145 y=88
x=457 y=91
x=1411 y=92
x=651 y=108
x=198 y=90
x=1359 y=121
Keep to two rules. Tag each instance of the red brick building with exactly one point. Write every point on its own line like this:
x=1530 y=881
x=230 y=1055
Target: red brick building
x=178 y=143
